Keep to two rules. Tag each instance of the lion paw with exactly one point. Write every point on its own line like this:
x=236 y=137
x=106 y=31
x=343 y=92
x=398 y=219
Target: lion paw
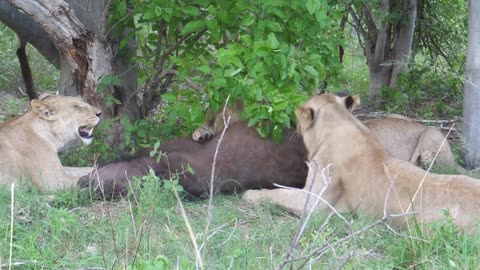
x=253 y=196
x=203 y=134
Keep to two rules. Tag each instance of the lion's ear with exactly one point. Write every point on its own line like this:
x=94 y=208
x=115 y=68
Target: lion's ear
x=42 y=109
x=350 y=102
x=305 y=117
x=44 y=95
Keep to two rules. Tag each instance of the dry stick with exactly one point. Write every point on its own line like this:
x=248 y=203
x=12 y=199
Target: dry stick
x=212 y=173
x=305 y=215
x=389 y=190
x=92 y=174
x=189 y=228
x=217 y=230
x=319 y=198
x=145 y=223
x=386 y=216
x=229 y=236
x=126 y=248
x=11 y=225
x=419 y=120
x=348 y=237
x=329 y=246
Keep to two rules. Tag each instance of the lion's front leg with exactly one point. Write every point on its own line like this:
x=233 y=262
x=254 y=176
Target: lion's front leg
x=54 y=179
x=77 y=171
x=289 y=199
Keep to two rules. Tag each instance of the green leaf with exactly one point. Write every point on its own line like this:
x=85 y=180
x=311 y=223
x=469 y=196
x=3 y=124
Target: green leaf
x=235 y=72
x=193 y=26
x=190 y=10
x=169 y=97
x=248 y=20
x=272 y=41
x=312 y=6
x=322 y=18
x=116 y=81
x=311 y=70
x=204 y=69
x=218 y=83
x=262 y=51
x=252 y=121
x=149 y=14
x=274 y=26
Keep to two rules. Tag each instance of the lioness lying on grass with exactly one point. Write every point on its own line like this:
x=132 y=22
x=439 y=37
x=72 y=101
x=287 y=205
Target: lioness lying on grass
x=364 y=178
x=30 y=142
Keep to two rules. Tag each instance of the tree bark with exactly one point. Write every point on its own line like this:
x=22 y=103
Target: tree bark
x=80 y=34
x=83 y=54
x=28 y=30
x=404 y=41
x=86 y=50
x=471 y=101
x=387 y=44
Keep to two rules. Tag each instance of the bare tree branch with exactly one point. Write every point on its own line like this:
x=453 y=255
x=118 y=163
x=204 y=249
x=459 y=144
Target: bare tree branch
x=28 y=30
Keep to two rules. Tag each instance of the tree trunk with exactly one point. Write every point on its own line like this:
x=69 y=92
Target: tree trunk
x=404 y=41
x=388 y=44
x=83 y=54
x=471 y=101
x=84 y=48
x=379 y=78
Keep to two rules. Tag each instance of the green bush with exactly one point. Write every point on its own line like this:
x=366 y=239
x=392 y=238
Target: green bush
x=268 y=53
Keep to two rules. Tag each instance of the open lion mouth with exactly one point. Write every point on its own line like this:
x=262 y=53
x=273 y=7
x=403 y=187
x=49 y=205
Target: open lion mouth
x=85 y=132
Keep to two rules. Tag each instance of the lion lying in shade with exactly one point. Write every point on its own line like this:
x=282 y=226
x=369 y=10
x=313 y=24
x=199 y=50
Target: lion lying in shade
x=29 y=144
x=364 y=178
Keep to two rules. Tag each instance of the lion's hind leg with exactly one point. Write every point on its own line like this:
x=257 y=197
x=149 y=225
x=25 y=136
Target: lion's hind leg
x=430 y=142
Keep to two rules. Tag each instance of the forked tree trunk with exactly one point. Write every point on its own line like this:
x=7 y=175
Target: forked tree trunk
x=387 y=45
x=471 y=101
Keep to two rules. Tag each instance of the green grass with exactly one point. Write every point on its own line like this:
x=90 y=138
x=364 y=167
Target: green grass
x=354 y=77
x=68 y=230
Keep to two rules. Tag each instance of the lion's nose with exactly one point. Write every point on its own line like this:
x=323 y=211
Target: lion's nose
x=98 y=114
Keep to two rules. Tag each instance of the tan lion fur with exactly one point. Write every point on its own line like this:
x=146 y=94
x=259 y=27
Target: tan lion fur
x=414 y=142
x=29 y=144
x=364 y=178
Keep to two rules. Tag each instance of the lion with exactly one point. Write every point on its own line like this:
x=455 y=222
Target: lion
x=364 y=178
x=413 y=142
x=402 y=137
x=29 y=144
